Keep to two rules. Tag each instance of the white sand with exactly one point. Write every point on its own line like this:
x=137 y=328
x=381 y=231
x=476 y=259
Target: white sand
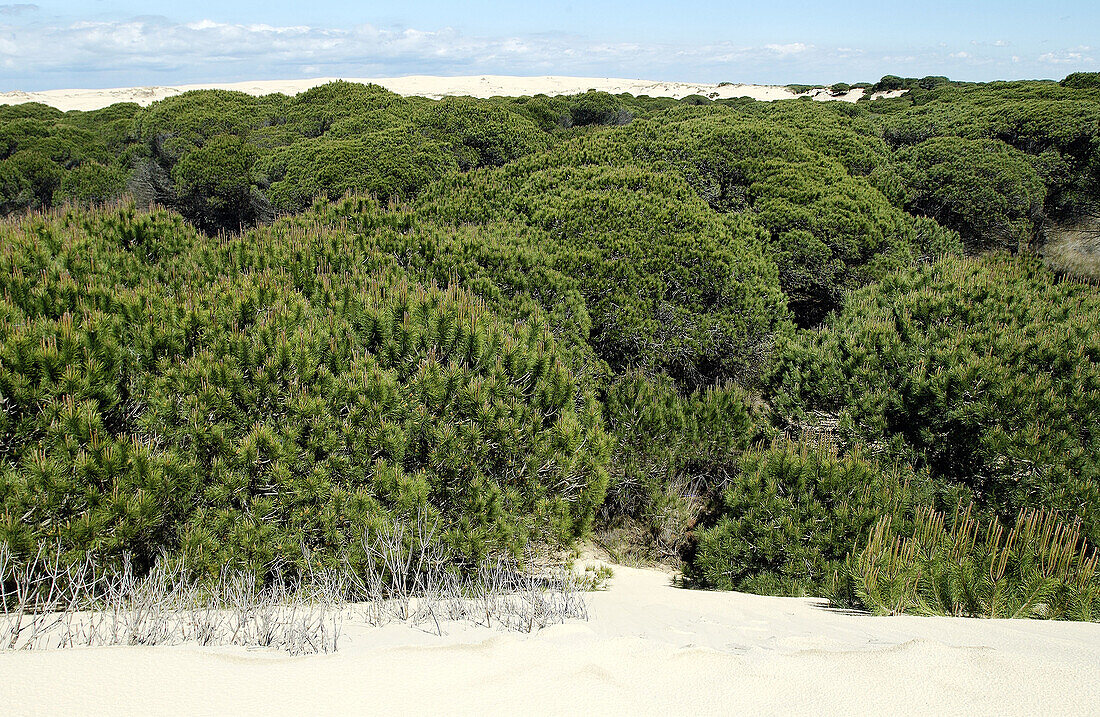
x=649 y=648
x=434 y=87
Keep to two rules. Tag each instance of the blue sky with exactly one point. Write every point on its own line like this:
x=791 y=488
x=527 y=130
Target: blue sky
x=102 y=43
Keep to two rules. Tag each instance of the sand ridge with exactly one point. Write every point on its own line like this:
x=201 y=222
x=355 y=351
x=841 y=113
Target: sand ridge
x=434 y=87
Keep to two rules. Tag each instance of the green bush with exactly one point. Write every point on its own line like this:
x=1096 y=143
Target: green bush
x=240 y=404
x=667 y=284
x=214 y=184
x=985 y=372
x=790 y=516
x=987 y=191
x=1081 y=81
x=795 y=171
x=344 y=109
x=596 y=108
x=672 y=454
x=889 y=83
x=482 y=134
x=388 y=164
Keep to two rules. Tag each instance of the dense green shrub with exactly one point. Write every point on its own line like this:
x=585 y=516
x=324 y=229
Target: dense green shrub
x=175 y=125
x=388 y=164
x=596 y=108
x=672 y=454
x=889 y=83
x=987 y=191
x=344 y=109
x=790 y=516
x=667 y=283
x=28 y=180
x=93 y=183
x=1081 y=80
x=214 y=184
x=986 y=372
x=505 y=264
x=828 y=230
x=483 y=134
x=1058 y=127
x=255 y=397
x=46 y=157
x=220 y=400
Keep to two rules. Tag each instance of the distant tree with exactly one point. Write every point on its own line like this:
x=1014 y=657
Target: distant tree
x=889 y=83
x=93 y=183
x=214 y=185
x=987 y=191
x=28 y=180
x=1082 y=81
x=597 y=108
x=482 y=134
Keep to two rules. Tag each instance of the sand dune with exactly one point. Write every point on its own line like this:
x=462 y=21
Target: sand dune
x=435 y=87
x=649 y=648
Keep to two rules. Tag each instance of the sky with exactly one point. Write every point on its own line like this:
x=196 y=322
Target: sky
x=55 y=44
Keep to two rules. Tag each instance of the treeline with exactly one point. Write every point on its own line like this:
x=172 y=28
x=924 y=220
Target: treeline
x=763 y=339
x=226 y=159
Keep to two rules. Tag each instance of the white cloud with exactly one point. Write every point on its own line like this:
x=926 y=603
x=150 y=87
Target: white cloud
x=794 y=48
x=153 y=50
x=1075 y=56
x=22 y=8
x=205 y=48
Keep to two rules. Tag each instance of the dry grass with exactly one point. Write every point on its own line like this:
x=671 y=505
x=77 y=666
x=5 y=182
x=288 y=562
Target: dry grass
x=1075 y=249
x=46 y=602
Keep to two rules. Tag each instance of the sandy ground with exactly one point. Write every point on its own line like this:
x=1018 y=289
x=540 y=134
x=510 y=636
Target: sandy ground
x=649 y=648
x=435 y=87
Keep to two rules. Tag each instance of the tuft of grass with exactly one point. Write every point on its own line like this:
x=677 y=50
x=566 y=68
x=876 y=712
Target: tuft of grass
x=49 y=602
x=1074 y=250
x=1040 y=568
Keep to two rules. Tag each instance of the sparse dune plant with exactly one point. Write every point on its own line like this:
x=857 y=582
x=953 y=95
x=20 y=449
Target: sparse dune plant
x=1040 y=568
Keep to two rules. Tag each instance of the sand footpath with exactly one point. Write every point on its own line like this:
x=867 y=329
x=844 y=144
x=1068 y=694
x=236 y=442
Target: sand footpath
x=649 y=648
x=434 y=87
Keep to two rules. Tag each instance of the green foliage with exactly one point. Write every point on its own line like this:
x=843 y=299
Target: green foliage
x=505 y=264
x=889 y=83
x=986 y=372
x=176 y=125
x=1057 y=127
x=240 y=402
x=93 y=183
x=391 y=163
x=829 y=229
x=239 y=398
x=482 y=134
x=790 y=516
x=28 y=180
x=667 y=284
x=672 y=454
x=214 y=184
x=1081 y=81
x=986 y=190
x=46 y=157
x=344 y=109
x=596 y=108
x=1042 y=568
